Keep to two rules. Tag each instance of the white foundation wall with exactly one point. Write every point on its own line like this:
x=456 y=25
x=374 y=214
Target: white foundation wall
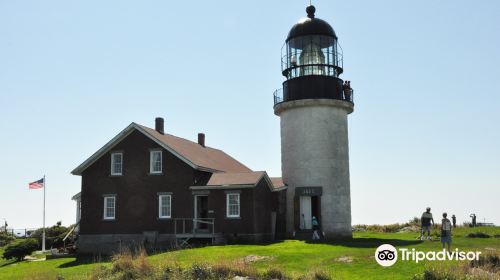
x=315 y=152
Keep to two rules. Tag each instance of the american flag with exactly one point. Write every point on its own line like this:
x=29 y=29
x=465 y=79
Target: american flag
x=37 y=184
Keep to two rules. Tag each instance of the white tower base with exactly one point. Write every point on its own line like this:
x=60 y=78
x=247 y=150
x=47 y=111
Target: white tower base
x=315 y=163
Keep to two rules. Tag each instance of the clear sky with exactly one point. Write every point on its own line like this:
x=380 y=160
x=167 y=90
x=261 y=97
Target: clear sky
x=426 y=126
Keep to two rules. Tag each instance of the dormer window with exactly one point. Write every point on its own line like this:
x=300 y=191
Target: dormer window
x=116 y=163
x=155 y=162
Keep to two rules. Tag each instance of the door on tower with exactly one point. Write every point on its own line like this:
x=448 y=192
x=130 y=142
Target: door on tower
x=305 y=212
x=309 y=207
x=307 y=204
x=201 y=212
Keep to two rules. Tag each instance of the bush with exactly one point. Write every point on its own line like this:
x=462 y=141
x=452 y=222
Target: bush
x=6 y=238
x=127 y=266
x=478 y=235
x=489 y=262
x=274 y=273
x=411 y=225
x=487 y=267
x=201 y=271
x=380 y=228
x=19 y=250
x=53 y=235
x=315 y=275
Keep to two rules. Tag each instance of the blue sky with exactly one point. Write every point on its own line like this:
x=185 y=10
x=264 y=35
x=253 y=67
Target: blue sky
x=425 y=131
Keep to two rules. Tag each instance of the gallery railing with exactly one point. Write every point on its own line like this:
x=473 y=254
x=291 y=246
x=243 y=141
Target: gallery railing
x=347 y=95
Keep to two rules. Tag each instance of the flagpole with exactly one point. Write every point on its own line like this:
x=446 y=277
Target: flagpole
x=43 y=232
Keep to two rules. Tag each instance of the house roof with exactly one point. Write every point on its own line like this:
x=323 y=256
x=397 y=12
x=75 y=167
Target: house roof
x=277 y=182
x=207 y=157
x=195 y=155
x=248 y=178
x=240 y=181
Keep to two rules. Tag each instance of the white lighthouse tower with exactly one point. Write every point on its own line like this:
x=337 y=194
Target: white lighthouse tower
x=313 y=108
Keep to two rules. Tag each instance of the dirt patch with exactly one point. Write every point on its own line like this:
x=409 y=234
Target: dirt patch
x=33 y=259
x=345 y=259
x=254 y=258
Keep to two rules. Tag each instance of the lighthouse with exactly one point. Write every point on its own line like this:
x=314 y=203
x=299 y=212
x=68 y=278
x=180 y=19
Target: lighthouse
x=313 y=106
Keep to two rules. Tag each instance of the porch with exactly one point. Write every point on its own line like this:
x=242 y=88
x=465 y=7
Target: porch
x=186 y=229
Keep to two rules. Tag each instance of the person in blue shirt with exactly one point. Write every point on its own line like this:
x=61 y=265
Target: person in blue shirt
x=315 y=226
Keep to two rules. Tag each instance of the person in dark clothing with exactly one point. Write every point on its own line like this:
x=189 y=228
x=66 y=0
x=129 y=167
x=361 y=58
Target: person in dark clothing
x=454 y=220
x=426 y=220
x=473 y=216
x=346 y=88
x=446 y=232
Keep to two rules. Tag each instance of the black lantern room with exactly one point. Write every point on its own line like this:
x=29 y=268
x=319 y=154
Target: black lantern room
x=312 y=61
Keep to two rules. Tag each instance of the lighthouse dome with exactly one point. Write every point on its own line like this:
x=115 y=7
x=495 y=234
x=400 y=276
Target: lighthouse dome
x=311 y=25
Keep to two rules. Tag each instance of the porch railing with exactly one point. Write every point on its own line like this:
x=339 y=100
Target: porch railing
x=187 y=228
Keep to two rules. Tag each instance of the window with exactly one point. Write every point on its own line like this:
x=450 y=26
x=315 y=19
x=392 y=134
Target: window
x=109 y=207
x=233 y=205
x=164 y=206
x=155 y=162
x=116 y=163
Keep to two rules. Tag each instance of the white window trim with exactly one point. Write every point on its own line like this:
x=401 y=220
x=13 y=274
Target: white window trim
x=151 y=171
x=227 y=205
x=169 y=206
x=105 y=217
x=113 y=163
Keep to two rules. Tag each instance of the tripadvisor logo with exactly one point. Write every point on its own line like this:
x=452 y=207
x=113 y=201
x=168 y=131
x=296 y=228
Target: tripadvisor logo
x=387 y=255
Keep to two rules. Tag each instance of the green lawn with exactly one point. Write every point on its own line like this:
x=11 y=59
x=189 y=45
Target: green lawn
x=294 y=257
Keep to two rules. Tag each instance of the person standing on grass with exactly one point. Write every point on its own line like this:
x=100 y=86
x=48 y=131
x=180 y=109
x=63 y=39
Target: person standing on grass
x=426 y=220
x=446 y=232
x=454 y=220
x=315 y=226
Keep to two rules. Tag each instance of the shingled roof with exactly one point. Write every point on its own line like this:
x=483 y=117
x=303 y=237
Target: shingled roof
x=240 y=180
x=200 y=156
x=248 y=178
x=195 y=155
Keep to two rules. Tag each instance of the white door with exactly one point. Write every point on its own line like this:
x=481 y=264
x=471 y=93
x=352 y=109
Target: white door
x=305 y=212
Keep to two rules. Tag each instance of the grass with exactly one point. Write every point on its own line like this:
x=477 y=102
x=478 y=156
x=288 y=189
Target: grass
x=296 y=258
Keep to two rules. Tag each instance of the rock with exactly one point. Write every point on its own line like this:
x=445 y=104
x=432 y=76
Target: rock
x=254 y=258
x=345 y=259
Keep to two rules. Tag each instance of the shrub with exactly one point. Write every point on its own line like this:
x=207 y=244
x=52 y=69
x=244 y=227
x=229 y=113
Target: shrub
x=487 y=267
x=380 y=228
x=19 y=250
x=233 y=269
x=6 y=238
x=315 y=275
x=274 y=273
x=53 y=235
x=172 y=272
x=478 y=235
x=127 y=266
x=321 y=275
x=488 y=262
x=201 y=271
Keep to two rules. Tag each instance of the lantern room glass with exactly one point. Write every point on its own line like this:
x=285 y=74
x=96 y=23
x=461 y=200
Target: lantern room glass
x=311 y=55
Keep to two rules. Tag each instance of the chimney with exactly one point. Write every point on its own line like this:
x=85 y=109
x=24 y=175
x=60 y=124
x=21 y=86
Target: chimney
x=159 y=125
x=201 y=139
